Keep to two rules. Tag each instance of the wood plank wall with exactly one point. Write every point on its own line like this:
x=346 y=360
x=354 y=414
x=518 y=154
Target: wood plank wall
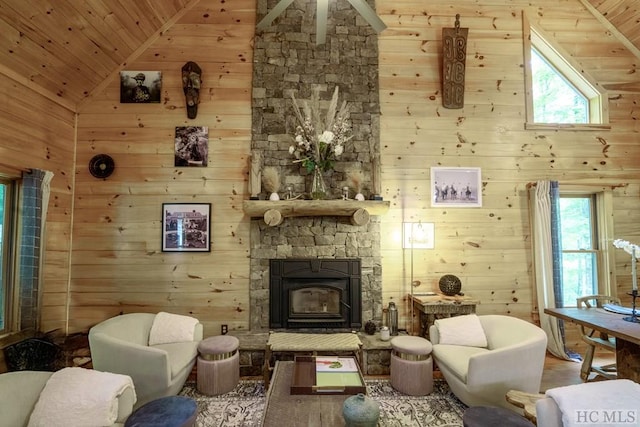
x=117 y=262
x=117 y=265
x=489 y=247
x=38 y=133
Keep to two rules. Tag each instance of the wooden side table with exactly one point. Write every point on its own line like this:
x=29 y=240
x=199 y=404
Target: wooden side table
x=432 y=307
x=526 y=401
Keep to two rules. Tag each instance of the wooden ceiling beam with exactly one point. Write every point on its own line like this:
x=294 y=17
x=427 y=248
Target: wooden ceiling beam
x=610 y=27
x=37 y=88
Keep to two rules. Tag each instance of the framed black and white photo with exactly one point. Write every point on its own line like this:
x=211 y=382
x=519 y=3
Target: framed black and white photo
x=191 y=146
x=140 y=87
x=186 y=227
x=456 y=187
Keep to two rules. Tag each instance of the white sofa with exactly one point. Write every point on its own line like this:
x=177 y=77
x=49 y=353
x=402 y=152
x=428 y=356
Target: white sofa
x=121 y=345
x=19 y=393
x=513 y=359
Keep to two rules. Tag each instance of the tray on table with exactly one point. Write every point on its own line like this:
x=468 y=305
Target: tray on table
x=327 y=375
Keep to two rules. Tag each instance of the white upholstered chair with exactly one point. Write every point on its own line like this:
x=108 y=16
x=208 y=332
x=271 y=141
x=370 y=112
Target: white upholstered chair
x=599 y=403
x=121 y=345
x=20 y=391
x=513 y=358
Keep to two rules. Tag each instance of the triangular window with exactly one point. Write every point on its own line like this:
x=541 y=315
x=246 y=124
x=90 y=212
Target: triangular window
x=555 y=99
x=558 y=95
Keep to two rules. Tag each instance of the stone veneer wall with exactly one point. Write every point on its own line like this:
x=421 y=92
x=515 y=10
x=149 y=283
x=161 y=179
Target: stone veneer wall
x=287 y=61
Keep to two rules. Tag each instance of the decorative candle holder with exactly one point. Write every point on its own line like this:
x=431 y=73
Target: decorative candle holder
x=634 y=317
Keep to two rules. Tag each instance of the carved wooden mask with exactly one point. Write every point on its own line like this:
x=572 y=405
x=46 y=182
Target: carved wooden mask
x=191 y=81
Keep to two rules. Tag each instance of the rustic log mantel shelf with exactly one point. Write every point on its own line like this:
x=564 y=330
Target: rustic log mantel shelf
x=274 y=212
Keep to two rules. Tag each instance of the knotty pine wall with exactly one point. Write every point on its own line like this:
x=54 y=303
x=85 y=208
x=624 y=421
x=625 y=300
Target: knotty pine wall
x=38 y=133
x=116 y=263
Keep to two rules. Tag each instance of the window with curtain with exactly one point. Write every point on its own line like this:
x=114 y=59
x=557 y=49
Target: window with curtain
x=585 y=243
x=7 y=244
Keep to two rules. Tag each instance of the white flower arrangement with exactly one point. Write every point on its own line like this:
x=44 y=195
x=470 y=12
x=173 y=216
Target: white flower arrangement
x=628 y=247
x=320 y=141
x=632 y=250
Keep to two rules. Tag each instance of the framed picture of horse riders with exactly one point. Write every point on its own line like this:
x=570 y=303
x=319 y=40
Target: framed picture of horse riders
x=456 y=187
x=186 y=227
x=191 y=146
x=140 y=87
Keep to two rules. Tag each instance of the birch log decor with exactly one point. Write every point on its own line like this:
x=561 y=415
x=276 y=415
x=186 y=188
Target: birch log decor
x=274 y=212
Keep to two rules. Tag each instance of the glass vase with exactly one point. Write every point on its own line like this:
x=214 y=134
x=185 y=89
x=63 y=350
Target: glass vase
x=318 y=187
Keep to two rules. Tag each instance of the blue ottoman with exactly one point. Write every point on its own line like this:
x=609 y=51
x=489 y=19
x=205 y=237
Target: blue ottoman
x=171 y=411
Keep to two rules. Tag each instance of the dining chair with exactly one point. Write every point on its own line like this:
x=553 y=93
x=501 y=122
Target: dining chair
x=595 y=339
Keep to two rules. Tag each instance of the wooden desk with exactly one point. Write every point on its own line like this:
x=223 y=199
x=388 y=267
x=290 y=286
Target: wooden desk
x=627 y=335
x=439 y=306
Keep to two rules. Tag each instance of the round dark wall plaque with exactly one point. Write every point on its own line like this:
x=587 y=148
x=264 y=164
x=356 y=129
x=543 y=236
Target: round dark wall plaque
x=101 y=166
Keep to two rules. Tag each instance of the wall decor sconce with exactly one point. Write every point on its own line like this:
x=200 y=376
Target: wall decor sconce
x=418 y=235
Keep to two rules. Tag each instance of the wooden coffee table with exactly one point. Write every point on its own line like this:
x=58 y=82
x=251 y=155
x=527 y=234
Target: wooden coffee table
x=282 y=409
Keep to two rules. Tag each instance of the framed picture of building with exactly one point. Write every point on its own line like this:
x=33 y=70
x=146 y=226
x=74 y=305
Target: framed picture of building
x=140 y=87
x=456 y=187
x=186 y=227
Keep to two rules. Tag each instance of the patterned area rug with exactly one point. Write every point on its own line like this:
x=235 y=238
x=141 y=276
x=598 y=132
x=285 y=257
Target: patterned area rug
x=243 y=406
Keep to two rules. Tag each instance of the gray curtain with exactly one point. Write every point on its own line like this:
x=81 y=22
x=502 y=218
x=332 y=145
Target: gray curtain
x=35 y=201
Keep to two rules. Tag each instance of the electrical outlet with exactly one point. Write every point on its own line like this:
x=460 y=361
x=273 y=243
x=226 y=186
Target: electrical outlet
x=224 y=329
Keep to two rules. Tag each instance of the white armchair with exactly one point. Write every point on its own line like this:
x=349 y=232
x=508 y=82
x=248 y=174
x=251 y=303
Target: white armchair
x=20 y=391
x=612 y=402
x=482 y=375
x=121 y=345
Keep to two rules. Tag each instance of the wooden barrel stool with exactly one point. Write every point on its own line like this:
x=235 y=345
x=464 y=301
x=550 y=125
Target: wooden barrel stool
x=411 y=365
x=218 y=370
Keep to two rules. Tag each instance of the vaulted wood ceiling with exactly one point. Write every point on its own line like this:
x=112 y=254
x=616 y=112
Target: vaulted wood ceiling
x=67 y=49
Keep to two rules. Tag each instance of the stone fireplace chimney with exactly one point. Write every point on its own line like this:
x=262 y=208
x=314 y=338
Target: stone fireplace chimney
x=286 y=61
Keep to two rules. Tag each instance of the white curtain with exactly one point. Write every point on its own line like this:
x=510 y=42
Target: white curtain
x=543 y=262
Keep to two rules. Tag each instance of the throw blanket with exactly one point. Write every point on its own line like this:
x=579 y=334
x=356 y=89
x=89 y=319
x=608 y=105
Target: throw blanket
x=169 y=328
x=598 y=402
x=78 y=397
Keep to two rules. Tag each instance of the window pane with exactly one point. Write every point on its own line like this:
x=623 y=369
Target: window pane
x=576 y=222
x=579 y=255
x=555 y=100
x=579 y=276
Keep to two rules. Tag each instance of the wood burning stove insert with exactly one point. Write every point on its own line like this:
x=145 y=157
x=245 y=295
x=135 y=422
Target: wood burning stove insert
x=315 y=293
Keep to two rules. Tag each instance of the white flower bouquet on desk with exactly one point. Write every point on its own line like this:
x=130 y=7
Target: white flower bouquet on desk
x=632 y=250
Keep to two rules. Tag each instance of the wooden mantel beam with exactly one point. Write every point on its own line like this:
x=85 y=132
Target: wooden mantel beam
x=275 y=211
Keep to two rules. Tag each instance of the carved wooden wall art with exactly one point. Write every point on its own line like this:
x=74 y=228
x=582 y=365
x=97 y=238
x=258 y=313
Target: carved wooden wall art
x=454 y=44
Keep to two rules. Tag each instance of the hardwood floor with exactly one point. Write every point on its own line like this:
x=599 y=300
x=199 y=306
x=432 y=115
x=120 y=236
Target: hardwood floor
x=559 y=372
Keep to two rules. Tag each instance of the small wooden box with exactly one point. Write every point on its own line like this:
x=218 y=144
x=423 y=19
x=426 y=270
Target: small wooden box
x=305 y=378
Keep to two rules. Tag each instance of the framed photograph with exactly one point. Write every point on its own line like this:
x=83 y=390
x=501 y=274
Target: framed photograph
x=185 y=227
x=140 y=87
x=456 y=187
x=191 y=146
